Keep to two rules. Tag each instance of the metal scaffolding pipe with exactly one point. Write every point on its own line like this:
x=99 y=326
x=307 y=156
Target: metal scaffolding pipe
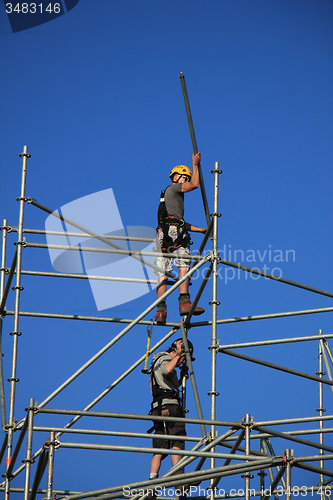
x=132 y=416
x=85 y=235
x=198 y=295
x=88 y=277
x=95 y=235
x=275 y=482
x=17 y=448
x=86 y=318
x=282 y=435
x=137 y=254
x=265 y=316
x=9 y=282
x=194 y=145
x=2 y=292
x=139 y=449
x=179 y=479
x=15 y=333
x=50 y=466
x=274 y=342
x=27 y=460
x=294 y=420
x=214 y=303
x=275 y=278
x=276 y=367
x=40 y=469
x=321 y=409
x=192 y=378
x=327 y=365
x=268 y=447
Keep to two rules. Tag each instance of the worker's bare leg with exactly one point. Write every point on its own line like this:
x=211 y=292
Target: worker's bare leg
x=155 y=464
x=175 y=458
x=183 y=288
x=161 y=287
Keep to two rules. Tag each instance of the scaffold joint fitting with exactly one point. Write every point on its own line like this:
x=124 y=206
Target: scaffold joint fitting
x=15 y=333
x=6 y=228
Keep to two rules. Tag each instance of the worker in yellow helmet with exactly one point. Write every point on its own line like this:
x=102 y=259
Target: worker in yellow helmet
x=173 y=234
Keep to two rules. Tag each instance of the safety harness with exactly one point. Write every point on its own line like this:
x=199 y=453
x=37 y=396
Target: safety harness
x=164 y=221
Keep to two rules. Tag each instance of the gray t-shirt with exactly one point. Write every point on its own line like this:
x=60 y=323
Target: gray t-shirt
x=174 y=200
x=163 y=378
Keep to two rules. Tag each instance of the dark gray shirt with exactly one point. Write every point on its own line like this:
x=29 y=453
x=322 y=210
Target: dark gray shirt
x=174 y=200
x=163 y=378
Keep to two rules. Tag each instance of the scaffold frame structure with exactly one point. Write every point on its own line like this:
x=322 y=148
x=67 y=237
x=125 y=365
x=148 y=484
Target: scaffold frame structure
x=239 y=457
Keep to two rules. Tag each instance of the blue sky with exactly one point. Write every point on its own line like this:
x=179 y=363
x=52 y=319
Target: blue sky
x=96 y=96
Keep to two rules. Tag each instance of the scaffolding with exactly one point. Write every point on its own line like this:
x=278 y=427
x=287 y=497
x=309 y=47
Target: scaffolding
x=231 y=448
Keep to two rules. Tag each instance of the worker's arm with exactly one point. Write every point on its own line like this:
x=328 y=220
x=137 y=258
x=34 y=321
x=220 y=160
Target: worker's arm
x=171 y=365
x=194 y=182
x=195 y=229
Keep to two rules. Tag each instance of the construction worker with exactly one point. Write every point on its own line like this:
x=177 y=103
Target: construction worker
x=173 y=234
x=164 y=385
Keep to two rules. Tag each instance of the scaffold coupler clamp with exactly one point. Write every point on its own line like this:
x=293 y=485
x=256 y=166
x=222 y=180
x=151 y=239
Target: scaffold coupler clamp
x=247 y=423
x=55 y=443
x=287 y=457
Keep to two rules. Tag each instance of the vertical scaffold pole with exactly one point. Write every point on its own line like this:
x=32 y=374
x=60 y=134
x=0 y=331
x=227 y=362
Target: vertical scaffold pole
x=15 y=333
x=28 y=459
x=214 y=303
x=288 y=454
x=321 y=409
x=50 y=466
x=247 y=422
x=2 y=290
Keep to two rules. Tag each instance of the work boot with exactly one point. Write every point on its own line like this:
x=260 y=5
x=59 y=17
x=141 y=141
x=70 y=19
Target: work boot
x=161 y=313
x=185 y=305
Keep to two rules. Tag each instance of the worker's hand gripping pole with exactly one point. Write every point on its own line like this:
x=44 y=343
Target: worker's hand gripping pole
x=149 y=331
x=195 y=147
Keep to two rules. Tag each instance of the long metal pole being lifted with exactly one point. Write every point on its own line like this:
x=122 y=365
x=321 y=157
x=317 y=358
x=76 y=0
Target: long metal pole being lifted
x=195 y=147
x=15 y=333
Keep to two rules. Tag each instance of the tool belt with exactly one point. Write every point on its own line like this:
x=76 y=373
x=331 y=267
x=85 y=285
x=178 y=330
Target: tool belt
x=162 y=394
x=183 y=238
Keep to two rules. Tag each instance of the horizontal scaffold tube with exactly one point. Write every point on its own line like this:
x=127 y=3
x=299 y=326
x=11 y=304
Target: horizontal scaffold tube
x=122 y=251
x=95 y=235
x=138 y=449
x=85 y=318
x=276 y=341
x=88 y=277
x=132 y=416
x=84 y=235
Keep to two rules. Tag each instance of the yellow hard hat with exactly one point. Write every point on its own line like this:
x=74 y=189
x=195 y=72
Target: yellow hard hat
x=181 y=170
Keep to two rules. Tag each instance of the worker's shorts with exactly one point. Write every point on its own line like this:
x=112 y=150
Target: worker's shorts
x=171 y=428
x=166 y=262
